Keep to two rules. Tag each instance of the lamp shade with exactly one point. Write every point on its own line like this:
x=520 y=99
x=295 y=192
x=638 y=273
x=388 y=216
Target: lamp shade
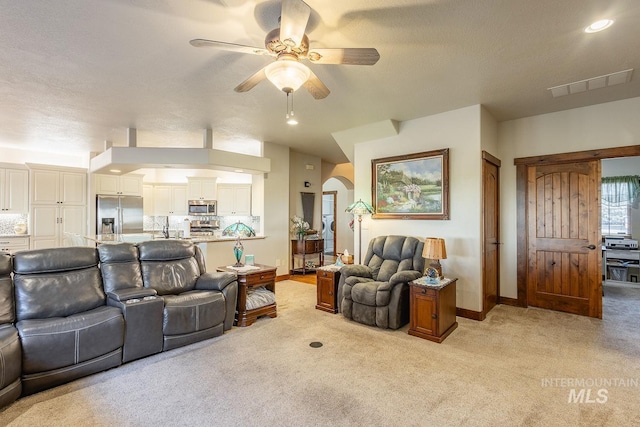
x=287 y=74
x=434 y=248
x=360 y=208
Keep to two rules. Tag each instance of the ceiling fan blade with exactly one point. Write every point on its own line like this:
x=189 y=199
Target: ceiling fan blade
x=240 y=48
x=316 y=88
x=250 y=83
x=293 y=21
x=350 y=56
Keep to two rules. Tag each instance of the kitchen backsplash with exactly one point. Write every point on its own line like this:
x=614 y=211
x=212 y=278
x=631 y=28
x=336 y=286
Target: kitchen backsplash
x=8 y=221
x=155 y=223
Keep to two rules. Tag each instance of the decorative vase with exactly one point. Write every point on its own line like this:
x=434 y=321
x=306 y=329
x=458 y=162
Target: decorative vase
x=301 y=236
x=237 y=252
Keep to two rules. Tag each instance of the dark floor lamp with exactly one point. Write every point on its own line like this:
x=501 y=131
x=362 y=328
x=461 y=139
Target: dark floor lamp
x=358 y=209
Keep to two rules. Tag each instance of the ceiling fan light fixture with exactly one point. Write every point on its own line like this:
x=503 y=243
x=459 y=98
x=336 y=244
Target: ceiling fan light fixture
x=287 y=74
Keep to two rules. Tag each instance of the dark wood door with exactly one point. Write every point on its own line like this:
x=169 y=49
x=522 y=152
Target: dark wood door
x=491 y=235
x=563 y=223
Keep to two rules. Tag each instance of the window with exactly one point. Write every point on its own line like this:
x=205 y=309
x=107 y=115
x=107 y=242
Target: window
x=615 y=218
x=618 y=194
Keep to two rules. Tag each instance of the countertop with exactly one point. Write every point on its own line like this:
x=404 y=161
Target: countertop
x=13 y=235
x=141 y=237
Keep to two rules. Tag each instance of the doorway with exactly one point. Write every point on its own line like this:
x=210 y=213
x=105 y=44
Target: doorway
x=558 y=222
x=329 y=229
x=490 y=231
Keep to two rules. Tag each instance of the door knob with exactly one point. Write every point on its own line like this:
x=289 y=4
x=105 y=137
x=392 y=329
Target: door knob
x=590 y=247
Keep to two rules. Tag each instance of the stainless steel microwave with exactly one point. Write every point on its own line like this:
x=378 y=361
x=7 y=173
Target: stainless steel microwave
x=202 y=207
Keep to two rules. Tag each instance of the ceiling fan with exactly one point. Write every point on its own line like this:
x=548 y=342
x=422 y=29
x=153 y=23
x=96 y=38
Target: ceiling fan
x=289 y=45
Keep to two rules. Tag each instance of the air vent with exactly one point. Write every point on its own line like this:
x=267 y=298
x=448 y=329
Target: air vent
x=592 y=83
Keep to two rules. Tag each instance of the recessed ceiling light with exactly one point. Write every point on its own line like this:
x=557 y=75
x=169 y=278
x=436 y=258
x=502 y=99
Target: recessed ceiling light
x=115 y=170
x=600 y=25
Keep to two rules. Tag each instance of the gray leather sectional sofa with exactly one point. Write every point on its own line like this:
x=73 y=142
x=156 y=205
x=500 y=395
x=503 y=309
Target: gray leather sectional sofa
x=70 y=312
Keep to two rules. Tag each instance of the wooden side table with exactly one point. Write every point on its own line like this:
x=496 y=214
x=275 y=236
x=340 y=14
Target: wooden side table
x=327 y=279
x=432 y=309
x=264 y=276
x=306 y=248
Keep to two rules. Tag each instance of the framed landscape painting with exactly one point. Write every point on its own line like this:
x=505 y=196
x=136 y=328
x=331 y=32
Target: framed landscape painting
x=414 y=186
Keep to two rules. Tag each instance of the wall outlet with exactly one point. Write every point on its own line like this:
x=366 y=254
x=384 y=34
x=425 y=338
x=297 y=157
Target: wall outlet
x=277 y=263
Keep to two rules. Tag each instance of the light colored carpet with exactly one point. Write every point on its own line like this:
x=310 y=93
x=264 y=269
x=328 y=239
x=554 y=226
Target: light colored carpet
x=484 y=373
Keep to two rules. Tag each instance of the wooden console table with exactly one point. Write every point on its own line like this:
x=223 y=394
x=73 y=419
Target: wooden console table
x=264 y=276
x=304 y=249
x=432 y=309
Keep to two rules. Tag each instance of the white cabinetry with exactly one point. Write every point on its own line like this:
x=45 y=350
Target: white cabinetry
x=147 y=200
x=170 y=200
x=234 y=199
x=14 y=190
x=53 y=187
x=127 y=185
x=202 y=189
x=58 y=206
x=13 y=244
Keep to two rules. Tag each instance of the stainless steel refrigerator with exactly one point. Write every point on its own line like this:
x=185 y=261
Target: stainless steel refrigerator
x=119 y=214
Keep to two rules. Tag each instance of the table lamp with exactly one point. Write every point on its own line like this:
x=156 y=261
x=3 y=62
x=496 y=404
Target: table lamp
x=358 y=209
x=435 y=250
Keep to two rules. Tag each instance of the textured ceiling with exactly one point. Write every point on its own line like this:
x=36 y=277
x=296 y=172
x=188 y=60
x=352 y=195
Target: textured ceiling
x=76 y=73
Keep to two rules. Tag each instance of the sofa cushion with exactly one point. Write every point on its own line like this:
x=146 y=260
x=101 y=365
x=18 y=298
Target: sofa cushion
x=169 y=266
x=370 y=293
x=39 y=296
x=65 y=341
x=120 y=266
x=54 y=260
x=192 y=311
x=170 y=277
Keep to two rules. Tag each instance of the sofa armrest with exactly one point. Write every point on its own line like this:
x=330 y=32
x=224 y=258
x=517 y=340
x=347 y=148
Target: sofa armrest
x=405 y=276
x=215 y=281
x=356 y=270
x=131 y=293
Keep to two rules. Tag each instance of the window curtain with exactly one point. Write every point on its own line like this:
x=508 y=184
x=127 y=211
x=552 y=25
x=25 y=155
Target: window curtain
x=618 y=190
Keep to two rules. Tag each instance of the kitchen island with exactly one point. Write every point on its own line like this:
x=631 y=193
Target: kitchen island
x=142 y=237
x=216 y=250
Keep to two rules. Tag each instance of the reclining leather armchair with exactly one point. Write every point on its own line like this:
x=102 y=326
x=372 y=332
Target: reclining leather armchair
x=10 y=349
x=377 y=293
x=197 y=305
x=66 y=329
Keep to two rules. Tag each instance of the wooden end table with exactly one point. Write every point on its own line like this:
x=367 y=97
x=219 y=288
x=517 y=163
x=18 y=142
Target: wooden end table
x=327 y=283
x=432 y=309
x=264 y=276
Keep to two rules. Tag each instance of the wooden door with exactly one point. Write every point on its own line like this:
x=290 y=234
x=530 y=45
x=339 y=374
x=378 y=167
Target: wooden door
x=490 y=230
x=563 y=223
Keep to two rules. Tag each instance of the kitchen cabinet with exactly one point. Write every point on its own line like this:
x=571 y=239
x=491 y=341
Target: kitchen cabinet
x=55 y=187
x=170 y=200
x=52 y=224
x=12 y=245
x=14 y=190
x=147 y=200
x=201 y=189
x=58 y=206
x=234 y=199
x=126 y=185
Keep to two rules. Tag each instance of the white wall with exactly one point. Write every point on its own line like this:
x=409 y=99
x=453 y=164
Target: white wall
x=612 y=124
x=299 y=173
x=274 y=249
x=344 y=198
x=458 y=130
x=11 y=155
